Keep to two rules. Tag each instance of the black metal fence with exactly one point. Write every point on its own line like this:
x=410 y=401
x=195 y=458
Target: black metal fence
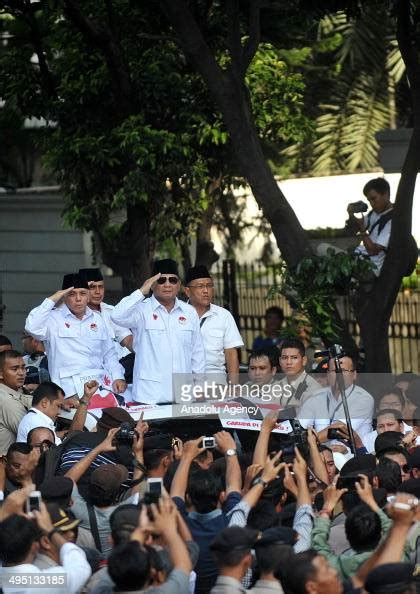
x=243 y=289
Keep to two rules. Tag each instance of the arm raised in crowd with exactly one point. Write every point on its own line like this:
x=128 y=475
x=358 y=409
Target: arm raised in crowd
x=179 y=484
x=317 y=461
x=226 y=444
x=107 y=445
x=79 y=418
x=391 y=549
x=261 y=447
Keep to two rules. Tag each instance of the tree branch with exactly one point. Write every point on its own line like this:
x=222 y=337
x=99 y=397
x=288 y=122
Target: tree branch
x=105 y=41
x=405 y=35
x=44 y=70
x=254 y=34
x=192 y=41
x=234 y=36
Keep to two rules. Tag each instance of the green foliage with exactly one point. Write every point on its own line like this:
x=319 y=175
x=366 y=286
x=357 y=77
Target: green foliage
x=316 y=281
x=360 y=66
x=158 y=143
x=277 y=97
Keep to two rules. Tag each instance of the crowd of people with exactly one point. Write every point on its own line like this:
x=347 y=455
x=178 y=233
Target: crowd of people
x=181 y=505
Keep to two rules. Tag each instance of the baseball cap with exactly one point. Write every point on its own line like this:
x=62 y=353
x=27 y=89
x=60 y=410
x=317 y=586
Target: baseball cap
x=235 y=539
x=109 y=477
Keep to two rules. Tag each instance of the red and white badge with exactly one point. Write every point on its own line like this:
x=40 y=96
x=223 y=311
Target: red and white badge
x=94 y=327
x=67 y=325
x=155 y=316
x=182 y=320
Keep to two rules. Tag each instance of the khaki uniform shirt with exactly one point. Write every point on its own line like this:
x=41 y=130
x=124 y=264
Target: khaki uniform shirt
x=13 y=407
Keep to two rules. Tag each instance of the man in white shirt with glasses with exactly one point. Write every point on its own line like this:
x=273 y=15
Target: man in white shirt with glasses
x=166 y=332
x=325 y=408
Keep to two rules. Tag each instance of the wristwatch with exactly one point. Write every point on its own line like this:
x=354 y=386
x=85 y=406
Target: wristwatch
x=260 y=481
x=231 y=452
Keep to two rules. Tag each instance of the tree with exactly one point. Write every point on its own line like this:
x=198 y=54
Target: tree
x=359 y=62
x=132 y=135
x=228 y=89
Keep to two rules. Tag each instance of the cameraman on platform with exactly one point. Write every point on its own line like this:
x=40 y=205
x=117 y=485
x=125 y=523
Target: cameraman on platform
x=375 y=227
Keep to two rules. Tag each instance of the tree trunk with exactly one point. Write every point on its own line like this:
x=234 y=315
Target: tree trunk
x=230 y=94
x=205 y=253
x=374 y=316
x=130 y=254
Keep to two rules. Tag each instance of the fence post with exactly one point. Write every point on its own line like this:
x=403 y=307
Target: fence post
x=230 y=294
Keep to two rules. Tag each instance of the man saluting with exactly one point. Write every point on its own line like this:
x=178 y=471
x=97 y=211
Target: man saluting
x=166 y=332
x=76 y=338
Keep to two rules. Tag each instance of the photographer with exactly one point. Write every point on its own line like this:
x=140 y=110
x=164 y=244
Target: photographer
x=104 y=490
x=375 y=227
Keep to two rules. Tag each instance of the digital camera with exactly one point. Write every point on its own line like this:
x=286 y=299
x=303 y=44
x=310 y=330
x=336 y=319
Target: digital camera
x=125 y=434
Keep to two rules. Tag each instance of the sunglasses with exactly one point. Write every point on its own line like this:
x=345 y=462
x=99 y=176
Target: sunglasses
x=170 y=279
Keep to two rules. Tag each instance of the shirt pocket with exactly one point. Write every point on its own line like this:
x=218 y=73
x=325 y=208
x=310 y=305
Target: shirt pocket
x=186 y=336
x=215 y=338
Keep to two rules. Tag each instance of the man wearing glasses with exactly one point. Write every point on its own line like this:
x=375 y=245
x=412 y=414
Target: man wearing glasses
x=325 y=409
x=218 y=328
x=166 y=333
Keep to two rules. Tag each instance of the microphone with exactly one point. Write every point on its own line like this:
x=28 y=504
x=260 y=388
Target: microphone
x=120 y=399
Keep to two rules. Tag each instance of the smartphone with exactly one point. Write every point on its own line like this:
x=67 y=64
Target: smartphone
x=209 y=443
x=348 y=482
x=154 y=487
x=33 y=502
x=334 y=433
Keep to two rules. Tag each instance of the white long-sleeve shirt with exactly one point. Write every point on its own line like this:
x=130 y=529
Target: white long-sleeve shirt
x=165 y=343
x=73 y=346
x=116 y=332
x=322 y=409
x=74 y=571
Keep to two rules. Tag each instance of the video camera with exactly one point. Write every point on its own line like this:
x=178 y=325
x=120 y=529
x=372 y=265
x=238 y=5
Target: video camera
x=358 y=207
x=297 y=438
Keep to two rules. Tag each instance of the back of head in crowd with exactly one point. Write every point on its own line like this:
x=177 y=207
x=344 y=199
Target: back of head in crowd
x=204 y=490
x=18 y=540
x=388 y=475
x=363 y=529
x=129 y=566
x=5 y=344
x=232 y=547
x=272 y=554
x=123 y=521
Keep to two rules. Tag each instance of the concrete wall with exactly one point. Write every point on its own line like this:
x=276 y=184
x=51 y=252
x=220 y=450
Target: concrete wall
x=35 y=251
